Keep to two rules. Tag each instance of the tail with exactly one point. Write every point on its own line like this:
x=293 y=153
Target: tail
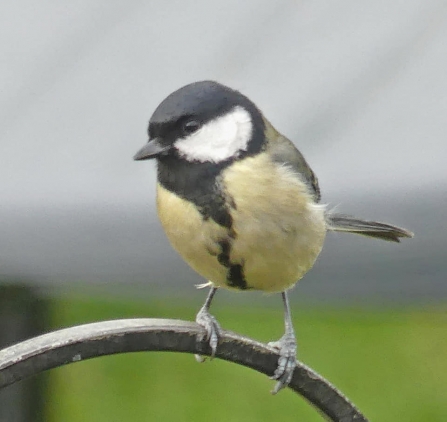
x=345 y=223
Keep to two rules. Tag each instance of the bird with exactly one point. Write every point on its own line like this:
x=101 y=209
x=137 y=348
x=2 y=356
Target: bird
x=239 y=203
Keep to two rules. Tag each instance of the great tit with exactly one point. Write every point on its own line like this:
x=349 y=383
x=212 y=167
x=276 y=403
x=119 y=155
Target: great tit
x=239 y=202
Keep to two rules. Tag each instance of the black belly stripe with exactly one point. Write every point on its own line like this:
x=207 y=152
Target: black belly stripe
x=235 y=273
x=236 y=278
x=199 y=184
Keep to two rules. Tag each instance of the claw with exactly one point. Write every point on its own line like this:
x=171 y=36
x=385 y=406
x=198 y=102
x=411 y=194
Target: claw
x=212 y=328
x=286 y=347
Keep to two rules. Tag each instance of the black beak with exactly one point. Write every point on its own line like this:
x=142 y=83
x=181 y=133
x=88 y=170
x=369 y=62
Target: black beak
x=151 y=150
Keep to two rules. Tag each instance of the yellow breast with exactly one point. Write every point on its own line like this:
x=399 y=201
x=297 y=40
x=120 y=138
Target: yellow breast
x=277 y=231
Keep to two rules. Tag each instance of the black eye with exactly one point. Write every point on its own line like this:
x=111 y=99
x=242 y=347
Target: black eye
x=190 y=126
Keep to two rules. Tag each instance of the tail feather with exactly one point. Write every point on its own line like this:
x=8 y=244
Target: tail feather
x=346 y=223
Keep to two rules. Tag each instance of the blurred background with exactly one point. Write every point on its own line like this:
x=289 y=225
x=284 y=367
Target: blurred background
x=361 y=90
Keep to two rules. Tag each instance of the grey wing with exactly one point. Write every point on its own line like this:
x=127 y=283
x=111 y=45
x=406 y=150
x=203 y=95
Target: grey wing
x=283 y=151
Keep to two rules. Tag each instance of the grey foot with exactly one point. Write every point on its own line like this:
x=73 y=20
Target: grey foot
x=286 y=347
x=212 y=328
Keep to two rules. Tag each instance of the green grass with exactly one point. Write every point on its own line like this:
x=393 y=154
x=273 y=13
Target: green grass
x=391 y=363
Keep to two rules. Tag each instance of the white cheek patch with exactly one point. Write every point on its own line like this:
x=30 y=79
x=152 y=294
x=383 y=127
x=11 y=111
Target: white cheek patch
x=219 y=139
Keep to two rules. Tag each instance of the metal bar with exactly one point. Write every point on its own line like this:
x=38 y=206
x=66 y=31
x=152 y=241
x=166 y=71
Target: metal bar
x=130 y=335
x=22 y=315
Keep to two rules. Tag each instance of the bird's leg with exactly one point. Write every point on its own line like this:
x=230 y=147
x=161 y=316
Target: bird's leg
x=207 y=321
x=286 y=347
